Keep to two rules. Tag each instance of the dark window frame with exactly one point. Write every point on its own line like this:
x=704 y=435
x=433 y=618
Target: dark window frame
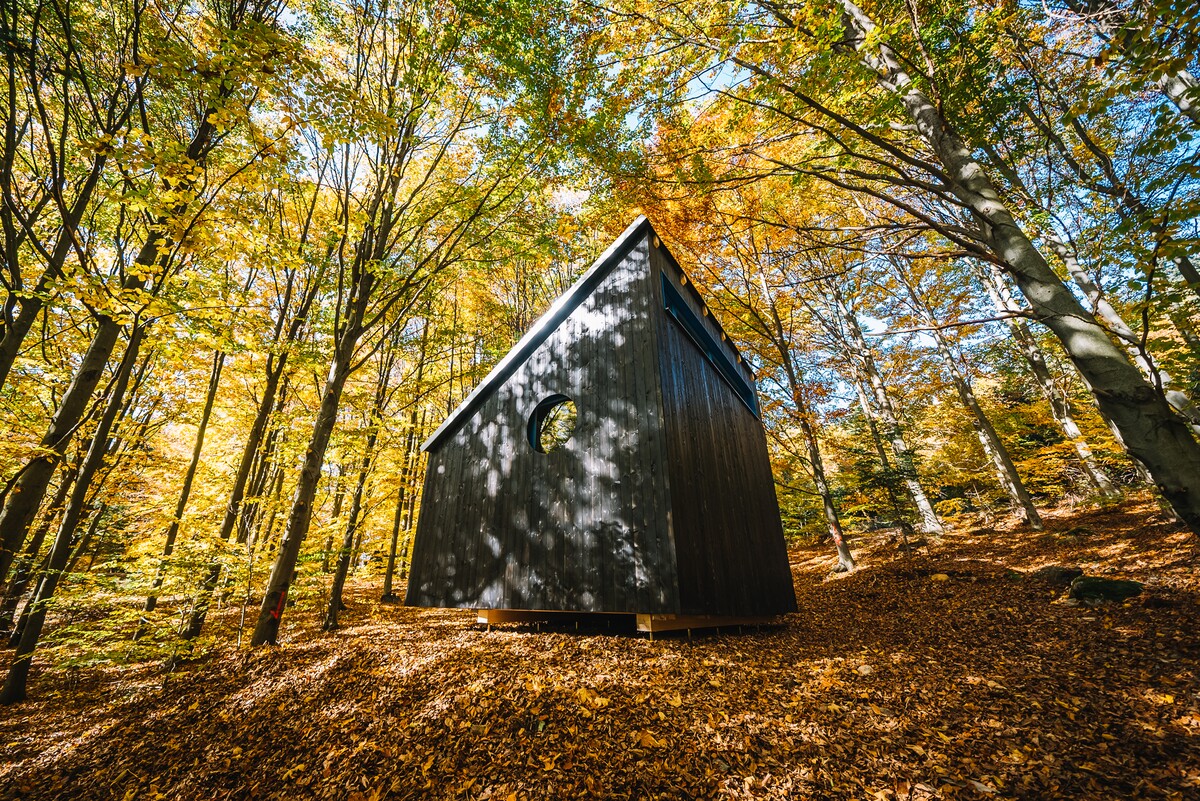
x=538 y=417
x=681 y=312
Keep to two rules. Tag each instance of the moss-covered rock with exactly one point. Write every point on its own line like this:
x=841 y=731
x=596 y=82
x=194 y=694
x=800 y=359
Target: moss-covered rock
x=1055 y=575
x=1094 y=588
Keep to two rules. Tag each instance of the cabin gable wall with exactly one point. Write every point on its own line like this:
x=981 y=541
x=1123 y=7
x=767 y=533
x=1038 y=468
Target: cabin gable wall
x=585 y=527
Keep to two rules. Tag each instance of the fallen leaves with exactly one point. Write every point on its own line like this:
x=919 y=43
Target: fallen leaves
x=879 y=688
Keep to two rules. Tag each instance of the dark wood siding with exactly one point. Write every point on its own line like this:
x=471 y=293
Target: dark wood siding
x=584 y=527
x=731 y=557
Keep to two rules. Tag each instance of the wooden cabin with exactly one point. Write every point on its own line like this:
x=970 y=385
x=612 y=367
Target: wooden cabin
x=613 y=462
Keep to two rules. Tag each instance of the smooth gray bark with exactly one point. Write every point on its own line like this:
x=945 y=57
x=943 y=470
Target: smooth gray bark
x=869 y=372
x=1151 y=429
x=993 y=446
x=1035 y=359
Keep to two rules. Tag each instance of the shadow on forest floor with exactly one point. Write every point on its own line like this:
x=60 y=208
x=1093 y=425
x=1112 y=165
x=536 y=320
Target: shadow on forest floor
x=889 y=683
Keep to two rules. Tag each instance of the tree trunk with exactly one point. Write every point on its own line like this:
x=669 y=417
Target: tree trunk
x=406 y=476
x=906 y=529
x=1132 y=343
x=266 y=528
x=271 y=613
x=1150 y=428
x=356 y=562
x=351 y=543
x=90 y=534
x=185 y=492
x=267 y=629
x=237 y=494
x=1115 y=27
x=408 y=470
x=25 y=497
x=346 y=555
x=993 y=446
x=1060 y=407
x=24 y=571
x=1180 y=88
x=29 y=490
x=339 y=495
x=264 y=470
x=60 y=550
x=276 y=366
x=410 y=511
x=929 y=522
x=803 y=415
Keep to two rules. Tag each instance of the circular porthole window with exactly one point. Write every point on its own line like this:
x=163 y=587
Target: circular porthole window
x=552 y=423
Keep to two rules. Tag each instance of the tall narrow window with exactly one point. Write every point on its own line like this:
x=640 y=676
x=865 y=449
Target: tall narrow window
x=678 y=308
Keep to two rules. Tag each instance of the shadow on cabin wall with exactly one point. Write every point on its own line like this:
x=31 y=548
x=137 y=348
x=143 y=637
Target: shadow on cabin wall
x=588 y=526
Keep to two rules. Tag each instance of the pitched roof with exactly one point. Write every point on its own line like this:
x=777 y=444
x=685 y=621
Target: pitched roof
x=545 y=325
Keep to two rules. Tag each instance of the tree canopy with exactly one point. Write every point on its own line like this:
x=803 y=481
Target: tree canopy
x=255 y=251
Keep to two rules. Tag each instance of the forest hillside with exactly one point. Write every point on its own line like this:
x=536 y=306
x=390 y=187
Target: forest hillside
x=254 y=253
x=959 y=671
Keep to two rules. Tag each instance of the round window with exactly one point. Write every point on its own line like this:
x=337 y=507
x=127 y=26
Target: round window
x=552 y=423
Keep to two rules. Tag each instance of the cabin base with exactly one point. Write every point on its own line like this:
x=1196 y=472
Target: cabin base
x=647 y=623
x=653 y=623
x=493 y=617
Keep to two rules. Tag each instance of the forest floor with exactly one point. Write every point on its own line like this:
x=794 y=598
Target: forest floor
x=943 y=675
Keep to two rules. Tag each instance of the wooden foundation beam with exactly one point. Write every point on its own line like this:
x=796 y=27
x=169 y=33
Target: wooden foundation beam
x=653 y=623
x=648 y=623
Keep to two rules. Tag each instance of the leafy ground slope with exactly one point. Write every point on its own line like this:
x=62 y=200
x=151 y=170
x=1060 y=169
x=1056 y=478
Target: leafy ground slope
x=890 y=683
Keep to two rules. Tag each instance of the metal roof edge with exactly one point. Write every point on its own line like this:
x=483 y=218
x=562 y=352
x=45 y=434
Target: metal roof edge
x=545 y=325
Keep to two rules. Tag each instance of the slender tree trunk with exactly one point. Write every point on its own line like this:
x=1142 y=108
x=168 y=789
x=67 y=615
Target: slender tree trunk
x=1060 y=407
x=275 y=368
x=339 y=495
x=993 y=446
x=1180 y=87
x=885 y=463
x=406 y=475
x=88 y=535
x=24 y=571
x=60 y=550
x=406 y=552
x=356 y=555
x=267 y=629
x=803 y=415
x=185 y=492
x=344 y=554
x=832 y=520
x=264 y=470
x=929 y=522
x=266 y=530
x=351 y=543
x=26 y=495
x=410 y=512
x=271 y=613
x=29 y=490
x=1150 y=428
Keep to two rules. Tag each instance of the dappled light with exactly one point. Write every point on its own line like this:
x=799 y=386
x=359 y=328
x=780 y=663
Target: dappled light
x=355 y=445
x=897 y=686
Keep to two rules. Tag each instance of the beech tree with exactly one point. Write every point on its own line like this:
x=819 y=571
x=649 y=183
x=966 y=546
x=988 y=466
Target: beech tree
x=948 y=169
x=431 y=197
